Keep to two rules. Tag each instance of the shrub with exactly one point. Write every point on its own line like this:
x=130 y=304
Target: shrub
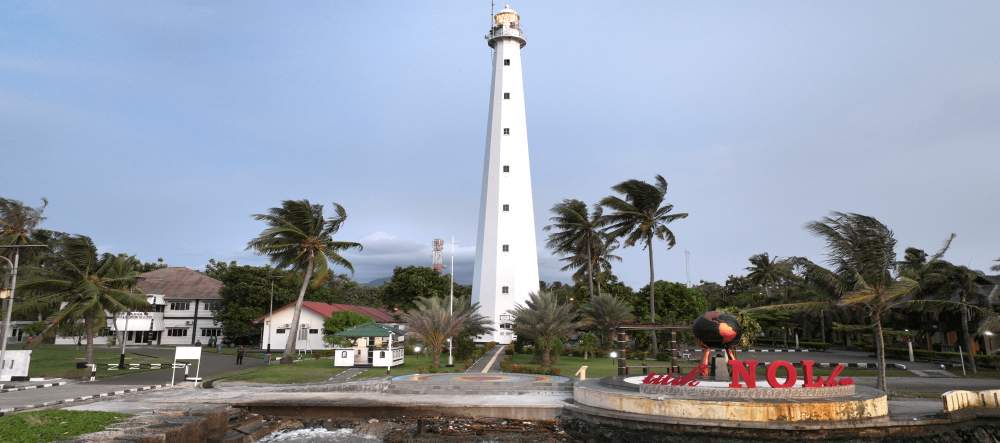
x=422 y=370
x=839 y=343
x=464 y=347
x=814 y=345
x=663 y=356
x=519 y=346
x=508 y=351
x=553 y=371
x=638 y=355
x=434 y=369
x=506 y=364
x=321 y=354
x=490 y=345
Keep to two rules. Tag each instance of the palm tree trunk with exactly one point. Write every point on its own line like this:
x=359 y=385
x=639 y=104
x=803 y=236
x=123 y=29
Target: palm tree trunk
x=88 y=324
x=652 y=303
x=879 y=352
x=590 y=269
x=294 y=335
x=965 y=334
x=545 y=358
x=436 y=361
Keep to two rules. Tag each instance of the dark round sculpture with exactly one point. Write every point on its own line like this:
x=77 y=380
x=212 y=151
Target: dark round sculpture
x=717 y=329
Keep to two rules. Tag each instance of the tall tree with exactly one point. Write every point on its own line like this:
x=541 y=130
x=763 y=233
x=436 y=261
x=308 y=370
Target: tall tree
x=298 y=237
x=995 y=267
x=603 y=313
x=945 y=281
x=639 y=218
x=413 y=282
x=431 y=322
x=78 y=284
x=543 y=320
x=767 y=272
x=19 y=226
x=579 y=236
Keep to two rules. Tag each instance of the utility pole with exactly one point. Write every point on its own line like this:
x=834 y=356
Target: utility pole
x=128 y=313
x=687 y=266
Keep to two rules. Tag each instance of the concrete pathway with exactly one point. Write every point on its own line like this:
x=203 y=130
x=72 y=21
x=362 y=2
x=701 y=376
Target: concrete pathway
x=488 y=361
x=347 y=374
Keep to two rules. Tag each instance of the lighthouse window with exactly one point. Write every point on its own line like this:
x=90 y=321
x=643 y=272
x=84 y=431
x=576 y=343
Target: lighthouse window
x=506 y=248
x=504 y=290
x=506 y=168
x=506 y=62
x=506 y=96
x=506 y=208
x=506 y=131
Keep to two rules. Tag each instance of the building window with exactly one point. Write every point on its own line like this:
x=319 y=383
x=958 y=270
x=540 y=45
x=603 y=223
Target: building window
x=177 y=332
x=506 y=168
x=506 y=96
x=279 y=331
x=504 y=290
x=210 y=305
x=158 y=308
x=211 y=332
x=104 y=332
x=506 y=62
x=180 y=306
x=506 y=248
x=314 y=331
x=506 y=131
x=505 y=317
x=506 y=208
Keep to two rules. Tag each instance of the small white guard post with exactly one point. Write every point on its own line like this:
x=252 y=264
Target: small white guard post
x=582 y=373
x=186 y=353
x=93 y=371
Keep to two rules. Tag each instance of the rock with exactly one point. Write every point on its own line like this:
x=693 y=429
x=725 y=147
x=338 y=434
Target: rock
x=374 y=420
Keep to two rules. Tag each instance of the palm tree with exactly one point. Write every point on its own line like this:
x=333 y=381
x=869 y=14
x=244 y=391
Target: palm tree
x=600 y=260
x=864 y=274
x=995 y=267
x=299 y=237
x=579 y=235
x=639 y=218
x=605 y=312
x=79 y=285
x=432 y=324
x=543 y=320
x=945 y=281
x=767 y=272
x=19 y=226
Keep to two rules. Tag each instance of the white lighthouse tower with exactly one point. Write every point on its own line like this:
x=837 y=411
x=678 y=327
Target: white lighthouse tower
x=506 y=258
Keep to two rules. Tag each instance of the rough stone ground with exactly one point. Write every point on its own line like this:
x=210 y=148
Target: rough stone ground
x=453 y=430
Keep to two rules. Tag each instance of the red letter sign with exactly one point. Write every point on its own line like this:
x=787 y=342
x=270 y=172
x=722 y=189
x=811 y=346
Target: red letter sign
x=809 y=382
x=789 y=370
x=740 y=371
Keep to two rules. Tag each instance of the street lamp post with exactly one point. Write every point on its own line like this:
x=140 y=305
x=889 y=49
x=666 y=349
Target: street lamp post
x=451 y=301
x=9 y=294
x=128 y=312
x=270 y=317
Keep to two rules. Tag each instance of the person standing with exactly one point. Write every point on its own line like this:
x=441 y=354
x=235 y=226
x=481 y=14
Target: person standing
x=239 y=355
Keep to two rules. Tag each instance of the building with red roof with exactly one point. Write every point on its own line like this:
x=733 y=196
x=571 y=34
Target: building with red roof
x=309 y=335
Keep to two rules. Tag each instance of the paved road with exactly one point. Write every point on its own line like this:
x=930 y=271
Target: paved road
x=212 y=364
x=487 y=358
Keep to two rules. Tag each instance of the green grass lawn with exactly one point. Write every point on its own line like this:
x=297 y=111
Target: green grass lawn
x=917 y=394
x=61 y=361
x=303 y=371
x=596 y=367
x=54 y=425
x=981 y=373
x=411 y=365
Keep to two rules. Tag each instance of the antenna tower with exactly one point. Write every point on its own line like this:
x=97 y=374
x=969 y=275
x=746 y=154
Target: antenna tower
x=437 y=263
x=687 y=265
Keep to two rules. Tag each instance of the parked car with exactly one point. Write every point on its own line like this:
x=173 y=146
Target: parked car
x=246 y=340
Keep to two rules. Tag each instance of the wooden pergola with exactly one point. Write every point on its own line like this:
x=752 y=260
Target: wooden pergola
x=620 y=330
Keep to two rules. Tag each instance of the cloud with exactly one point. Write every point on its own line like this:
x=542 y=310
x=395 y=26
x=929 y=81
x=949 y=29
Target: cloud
x=383 y=251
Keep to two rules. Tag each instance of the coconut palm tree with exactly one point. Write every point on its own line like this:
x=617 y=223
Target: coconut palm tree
x=639 y=218
x=543 y=320
x=945 y=281
x=298 y=237
x=599 y=263
x=19 y=226
x=603 y=313
x=432 y=324
x=767 y=272
x=579 y=236
x=995 y=267
x=78 y=284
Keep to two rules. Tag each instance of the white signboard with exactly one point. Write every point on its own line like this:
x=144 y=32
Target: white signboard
x=187 y=353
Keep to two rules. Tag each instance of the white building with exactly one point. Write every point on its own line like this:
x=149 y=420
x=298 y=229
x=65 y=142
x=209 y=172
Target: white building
x=309 y=335
x=506 y=256
x=183 y=306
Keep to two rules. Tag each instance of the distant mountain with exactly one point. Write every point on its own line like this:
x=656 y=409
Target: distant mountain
x=377 y=282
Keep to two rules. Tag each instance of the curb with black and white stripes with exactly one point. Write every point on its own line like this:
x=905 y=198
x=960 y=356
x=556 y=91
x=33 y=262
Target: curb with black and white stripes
x=773 y=350
x=25 y=388
x=71 y=400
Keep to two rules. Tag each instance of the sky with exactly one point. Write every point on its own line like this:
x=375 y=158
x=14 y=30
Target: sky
x=159 y=128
